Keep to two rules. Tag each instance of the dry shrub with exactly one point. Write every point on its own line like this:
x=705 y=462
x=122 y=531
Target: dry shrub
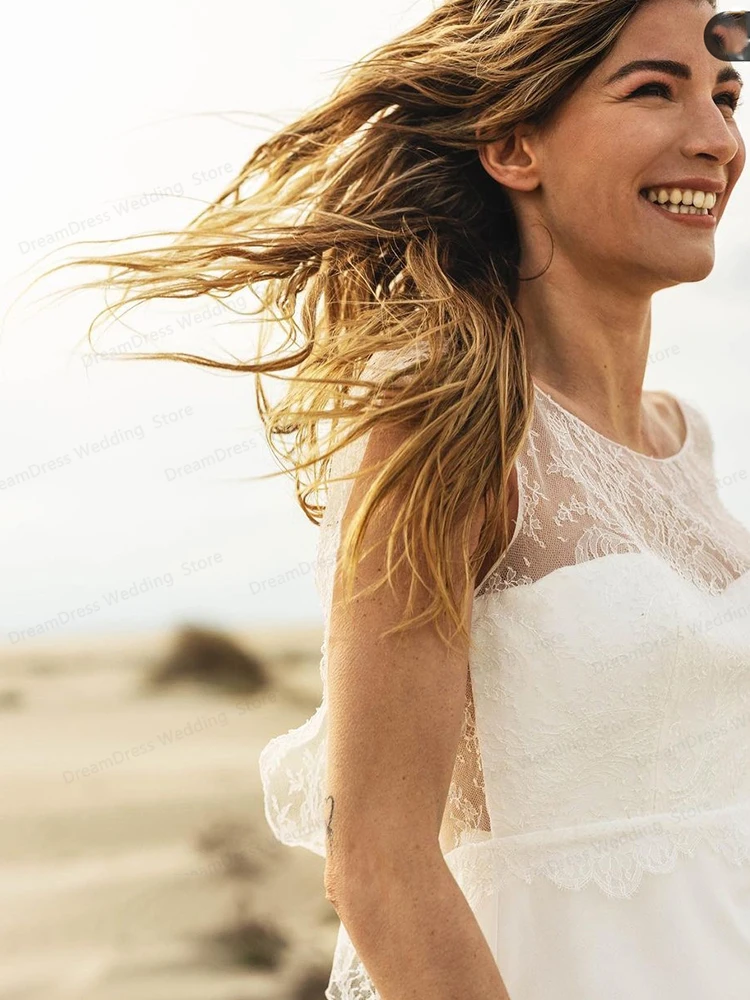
x=212 y=658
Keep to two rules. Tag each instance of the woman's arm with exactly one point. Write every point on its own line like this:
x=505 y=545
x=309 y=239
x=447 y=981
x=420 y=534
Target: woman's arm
x=414 y=930
x=395 y=715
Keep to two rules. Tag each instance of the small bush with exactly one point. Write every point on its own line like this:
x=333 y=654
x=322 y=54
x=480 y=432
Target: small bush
x=209 y=657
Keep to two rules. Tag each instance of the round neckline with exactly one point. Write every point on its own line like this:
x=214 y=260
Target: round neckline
x=630 y=451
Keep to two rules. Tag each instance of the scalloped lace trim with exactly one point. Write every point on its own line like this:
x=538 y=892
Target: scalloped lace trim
x=616 y=865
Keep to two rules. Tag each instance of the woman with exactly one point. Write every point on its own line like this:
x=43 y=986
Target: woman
x=529 y=769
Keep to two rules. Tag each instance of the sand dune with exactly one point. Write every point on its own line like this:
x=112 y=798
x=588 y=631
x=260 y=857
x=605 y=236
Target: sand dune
x=135 y=860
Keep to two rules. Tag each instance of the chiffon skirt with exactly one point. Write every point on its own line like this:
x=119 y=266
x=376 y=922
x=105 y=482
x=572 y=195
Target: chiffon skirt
x=684 y=935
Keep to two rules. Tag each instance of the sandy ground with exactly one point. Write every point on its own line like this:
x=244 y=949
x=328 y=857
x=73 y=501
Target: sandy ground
x=115 y=884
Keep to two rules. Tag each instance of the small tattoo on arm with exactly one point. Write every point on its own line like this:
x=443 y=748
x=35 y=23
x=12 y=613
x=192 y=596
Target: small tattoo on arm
x=329 y=828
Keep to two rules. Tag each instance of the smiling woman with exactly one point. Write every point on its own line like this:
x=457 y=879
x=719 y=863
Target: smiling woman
x=526 y=772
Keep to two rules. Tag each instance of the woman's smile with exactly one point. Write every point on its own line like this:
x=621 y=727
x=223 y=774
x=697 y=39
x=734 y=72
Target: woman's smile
x=699 y=221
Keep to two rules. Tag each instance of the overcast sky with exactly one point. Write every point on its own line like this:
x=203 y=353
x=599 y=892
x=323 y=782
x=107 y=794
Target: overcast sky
x=124 y=120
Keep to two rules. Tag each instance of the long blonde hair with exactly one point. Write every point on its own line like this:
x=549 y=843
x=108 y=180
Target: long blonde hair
x=375 y=211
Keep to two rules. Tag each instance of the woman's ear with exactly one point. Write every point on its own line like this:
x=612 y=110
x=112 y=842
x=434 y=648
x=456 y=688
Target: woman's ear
x=512 y=161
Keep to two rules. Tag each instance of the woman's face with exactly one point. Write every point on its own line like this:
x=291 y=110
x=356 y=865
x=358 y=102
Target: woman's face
x=614 y=137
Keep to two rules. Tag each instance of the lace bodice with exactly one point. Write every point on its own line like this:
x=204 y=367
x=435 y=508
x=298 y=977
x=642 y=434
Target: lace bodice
x=607 y=714
x=585 y=496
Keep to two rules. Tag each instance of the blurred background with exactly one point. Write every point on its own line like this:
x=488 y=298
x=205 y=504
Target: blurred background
x=159 y=621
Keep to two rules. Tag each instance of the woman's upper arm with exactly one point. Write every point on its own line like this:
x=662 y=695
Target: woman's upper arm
x=395 y=714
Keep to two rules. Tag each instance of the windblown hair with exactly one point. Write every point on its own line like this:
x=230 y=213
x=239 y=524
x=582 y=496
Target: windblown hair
x=376 y=211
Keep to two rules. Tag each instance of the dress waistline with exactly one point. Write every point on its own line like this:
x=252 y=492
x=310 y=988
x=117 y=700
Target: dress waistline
x=612 y=853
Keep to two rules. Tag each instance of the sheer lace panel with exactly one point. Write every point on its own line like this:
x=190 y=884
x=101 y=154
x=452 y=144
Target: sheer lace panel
x=582 y=496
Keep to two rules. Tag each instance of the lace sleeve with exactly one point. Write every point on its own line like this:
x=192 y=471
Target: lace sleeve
x=293 y=764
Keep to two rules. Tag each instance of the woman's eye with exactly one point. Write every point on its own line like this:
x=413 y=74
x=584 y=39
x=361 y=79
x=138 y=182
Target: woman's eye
x=663 y=87
x=665 y=90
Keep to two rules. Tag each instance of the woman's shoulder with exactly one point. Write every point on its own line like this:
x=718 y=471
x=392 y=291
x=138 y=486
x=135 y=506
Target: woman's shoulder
x=672 y=418
x=684 y=420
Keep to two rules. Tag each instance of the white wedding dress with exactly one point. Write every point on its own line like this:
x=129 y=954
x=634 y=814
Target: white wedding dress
x=598 y=820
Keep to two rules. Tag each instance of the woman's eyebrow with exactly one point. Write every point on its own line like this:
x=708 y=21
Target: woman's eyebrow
x=678 y=69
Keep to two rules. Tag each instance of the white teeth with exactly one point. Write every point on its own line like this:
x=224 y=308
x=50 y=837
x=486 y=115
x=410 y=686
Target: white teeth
x=685 y=210
x=701 y=200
